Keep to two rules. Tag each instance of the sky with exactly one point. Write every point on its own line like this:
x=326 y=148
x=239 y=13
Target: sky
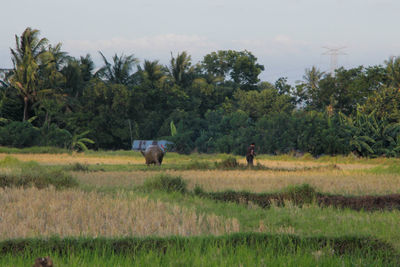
x=286 y=36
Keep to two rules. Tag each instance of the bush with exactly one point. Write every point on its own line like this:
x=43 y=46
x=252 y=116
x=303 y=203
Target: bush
x=54 y=136
x=78 y=167
x=18 y=134
x=228 y=163
x=198 y=190
x=165 y=182
x=300 y=194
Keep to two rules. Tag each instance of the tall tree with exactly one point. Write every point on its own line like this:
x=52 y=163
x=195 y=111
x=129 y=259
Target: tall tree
x=181 y=69
x=308 y=91
x=153 y=71
x=393 y=71
x=78 y=73
x=26 y=59
x=242 y=67
x=120 y=71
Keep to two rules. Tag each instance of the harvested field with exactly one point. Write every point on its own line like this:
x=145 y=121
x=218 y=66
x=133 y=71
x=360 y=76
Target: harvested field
x=343 y=182
x=64 y=159
x=47 y=212
x=113 y=201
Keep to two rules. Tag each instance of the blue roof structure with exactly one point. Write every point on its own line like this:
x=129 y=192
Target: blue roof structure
x=143 y=144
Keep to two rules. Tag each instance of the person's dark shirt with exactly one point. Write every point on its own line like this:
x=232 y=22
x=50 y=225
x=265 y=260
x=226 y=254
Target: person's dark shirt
x=250 y=151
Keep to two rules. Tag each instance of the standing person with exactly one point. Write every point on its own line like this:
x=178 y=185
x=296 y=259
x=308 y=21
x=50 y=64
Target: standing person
x=250 y=154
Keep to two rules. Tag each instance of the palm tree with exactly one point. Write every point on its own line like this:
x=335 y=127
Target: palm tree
x=120 y=71
x=26 y=59
x=87 y=66
x=153 y=71
x=312 y=77
x=181 y=69
x=309 y=90
x=53 y=60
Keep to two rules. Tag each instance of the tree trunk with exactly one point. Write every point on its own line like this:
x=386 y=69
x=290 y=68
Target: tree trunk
x=25 y=109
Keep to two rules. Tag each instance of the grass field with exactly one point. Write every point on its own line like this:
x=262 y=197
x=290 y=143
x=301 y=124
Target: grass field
x=56 y=203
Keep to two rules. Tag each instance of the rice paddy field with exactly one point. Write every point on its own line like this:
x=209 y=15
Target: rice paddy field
x=108 y=208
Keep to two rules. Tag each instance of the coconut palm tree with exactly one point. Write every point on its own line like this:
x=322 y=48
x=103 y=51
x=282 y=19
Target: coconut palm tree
x=120 y=72
x=26 y=59
x=180 y=69
x=153 y=71
x=53 y=60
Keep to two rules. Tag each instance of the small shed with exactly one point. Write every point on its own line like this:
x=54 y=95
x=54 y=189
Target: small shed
x=143 y=144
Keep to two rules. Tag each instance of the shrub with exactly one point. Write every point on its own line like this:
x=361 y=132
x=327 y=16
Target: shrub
x=165 y=182
x=78 y=167
x=198 y=190
x=300 y=194
x=54 y=136
x=18 y=134
x=228 y=163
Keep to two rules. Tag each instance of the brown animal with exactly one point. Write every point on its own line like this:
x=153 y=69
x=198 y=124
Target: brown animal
x=43 y=262
x=153 y=155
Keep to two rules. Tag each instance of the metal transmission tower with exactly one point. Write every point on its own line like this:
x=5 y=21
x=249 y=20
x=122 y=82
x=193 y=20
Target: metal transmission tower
x=334 y=52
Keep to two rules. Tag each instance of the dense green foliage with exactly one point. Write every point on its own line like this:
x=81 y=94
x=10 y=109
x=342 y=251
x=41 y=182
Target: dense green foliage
x=218 y=105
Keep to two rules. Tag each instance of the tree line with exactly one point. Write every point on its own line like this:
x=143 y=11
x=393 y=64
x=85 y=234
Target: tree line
x=219 y=104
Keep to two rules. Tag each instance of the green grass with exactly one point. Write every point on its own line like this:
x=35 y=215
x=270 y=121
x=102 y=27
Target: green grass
x=234 y=250
x=391 y=169
x=34 y=150
x=24 y=174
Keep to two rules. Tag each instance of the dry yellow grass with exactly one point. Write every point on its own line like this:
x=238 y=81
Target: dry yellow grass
x=32 y=213
x=332 y=181
x=62 y=159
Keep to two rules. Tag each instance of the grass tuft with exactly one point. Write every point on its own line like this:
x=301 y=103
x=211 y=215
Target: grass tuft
x=300 y=194
x=165 y=182
x=78 y=167
x=228 y=163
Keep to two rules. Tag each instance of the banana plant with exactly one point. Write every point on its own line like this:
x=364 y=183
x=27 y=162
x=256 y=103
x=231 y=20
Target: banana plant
x=79 y=141
x=359 y=132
